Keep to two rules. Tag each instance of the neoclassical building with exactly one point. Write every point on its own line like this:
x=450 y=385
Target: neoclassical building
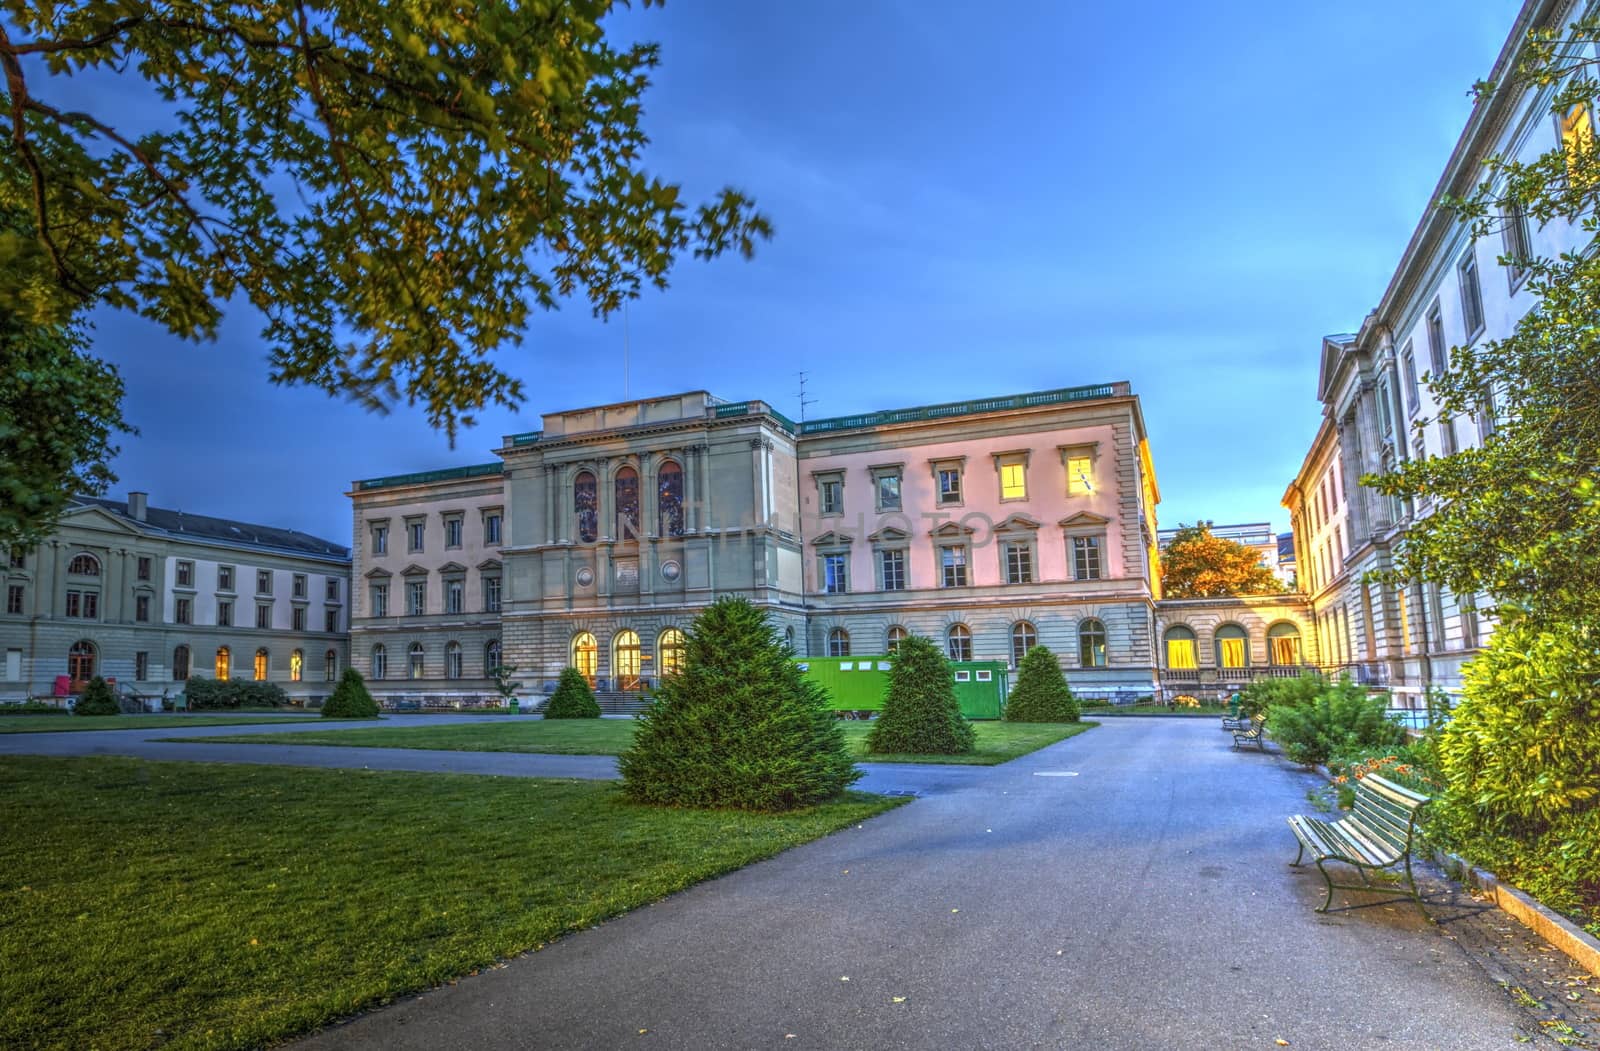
x=989 y=525
x=150 y=597
x=1447 y=291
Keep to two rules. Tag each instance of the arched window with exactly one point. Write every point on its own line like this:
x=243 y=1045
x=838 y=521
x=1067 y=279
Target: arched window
x=297 y=665
x=1180 y=648
x=958 y=642
x=788 y=638
x=1023 y=639
x=261 y=666
x=1233 y=647
x=452 y=660
x=414 y=661
x=625 y=659
x=380 y=662
x=1283 y=644
x=84 y=566
x=894 y=637
x=80 y=663
x=586 y=655
x=180 y=664
x=626 y=489
x=838 y=643
x=1091 y=643
x=669 y=498
x=330 y=666
x=585 y=501
x=224 y=663
x=669 y=652
x=491 y=657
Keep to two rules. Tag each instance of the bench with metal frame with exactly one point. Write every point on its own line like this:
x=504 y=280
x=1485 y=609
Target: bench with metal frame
x=1376 y=834
x=1255 y=733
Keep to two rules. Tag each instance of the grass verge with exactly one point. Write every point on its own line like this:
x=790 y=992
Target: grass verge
x=193 y=905
x=997 y=741
x=24 y=724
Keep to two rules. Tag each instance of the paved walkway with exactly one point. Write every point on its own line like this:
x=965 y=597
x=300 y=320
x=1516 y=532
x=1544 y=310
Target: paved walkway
x=1128 y=888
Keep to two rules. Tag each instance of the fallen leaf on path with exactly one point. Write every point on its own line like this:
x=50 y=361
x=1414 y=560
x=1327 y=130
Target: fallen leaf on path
x=899 y=999
x=846 y=978
x=1281 y=1042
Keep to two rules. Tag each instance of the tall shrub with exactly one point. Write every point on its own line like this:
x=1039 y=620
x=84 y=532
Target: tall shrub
x=1342 y=716
x=1041 y=694
x=350 y=699
x=97 y=699
x=1521 y=764
x=573 y=699
x=738 y=726
x=920 y=714
x=1293 y=693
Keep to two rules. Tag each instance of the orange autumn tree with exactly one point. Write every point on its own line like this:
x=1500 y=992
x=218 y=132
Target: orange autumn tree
x=1197 y=564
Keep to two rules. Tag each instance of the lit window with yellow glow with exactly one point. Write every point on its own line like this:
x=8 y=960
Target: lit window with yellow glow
x=1231 y=647
x=1405 y=620
x=1180 y=649
x=1080 y=476
x=1013 y=482
x=1577 y=141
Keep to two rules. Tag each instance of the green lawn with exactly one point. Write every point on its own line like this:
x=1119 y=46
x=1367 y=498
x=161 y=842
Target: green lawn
x=24 y=724
x=190 y=905
x=997 y=742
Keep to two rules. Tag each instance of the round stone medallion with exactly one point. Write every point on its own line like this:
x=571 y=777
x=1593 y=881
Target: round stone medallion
x=670 y=570
x=585 y=577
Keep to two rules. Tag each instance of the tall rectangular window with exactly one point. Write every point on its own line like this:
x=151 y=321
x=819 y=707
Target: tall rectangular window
x=1018 y=561
x=331 y=589
x=1447 y=436
x=141 y=666
x=224 y=614
x=416 y=598
x=452 y=531
x=380 y=600
x=1471 y=294
x=183 y=611
x=888 y=491
x=414 y=534
x=263 y=582
x=1577 y=143
x=949 y=485
x=224 y=578
x=19 y=557
x=833 y=574
x=1437 y=350
x=14 y=598
x=892 y=566
x=142 y=567
x=297 y=618
x=330 y=620
x=1408 y=364
x=832 y=496
x=1079 y=475
x=1402 y=603
x=453 y=592
x=299 y=585
x=1518 y=243
x=185 y=575
x=491 y=528
x=263 y=615
x=953 y=565
x=141 y=608
x=380 y=540
x=491 y=594
x=1086 y=561
x=1013 y=480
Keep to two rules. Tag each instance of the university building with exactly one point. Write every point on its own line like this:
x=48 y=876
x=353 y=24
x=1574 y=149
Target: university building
x=990 y=526
x=1377 y=413
x=150 y=597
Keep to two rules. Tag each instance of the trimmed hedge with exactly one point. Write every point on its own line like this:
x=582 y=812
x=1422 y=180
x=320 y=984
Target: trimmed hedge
x=1041 y=694
x=350 y=699
x=738 y=726
x=573 y=699
x=921 y=715
x=97 y=699
x=215 y=694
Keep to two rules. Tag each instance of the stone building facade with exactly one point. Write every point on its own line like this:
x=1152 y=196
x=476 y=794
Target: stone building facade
x=150 y=597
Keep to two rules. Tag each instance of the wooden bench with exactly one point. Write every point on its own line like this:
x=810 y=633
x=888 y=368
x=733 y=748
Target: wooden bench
x=1255 y=733
x=1376 y=834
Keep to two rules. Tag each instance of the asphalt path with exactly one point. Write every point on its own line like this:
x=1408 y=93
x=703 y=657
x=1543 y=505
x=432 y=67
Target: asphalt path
x=1125 y=889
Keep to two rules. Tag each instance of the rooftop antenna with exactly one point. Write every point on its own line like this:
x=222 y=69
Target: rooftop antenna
x=804 y=401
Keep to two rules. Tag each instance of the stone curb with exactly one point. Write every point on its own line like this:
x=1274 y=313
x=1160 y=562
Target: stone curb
x=1580 y=946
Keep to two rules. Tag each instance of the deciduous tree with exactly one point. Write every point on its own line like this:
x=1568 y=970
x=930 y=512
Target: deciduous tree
x=1198 y=564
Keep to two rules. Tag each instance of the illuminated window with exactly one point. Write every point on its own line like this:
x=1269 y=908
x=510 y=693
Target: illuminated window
x=1180 y=649
x=180 y=663
x=261 y=666
x=330 y=666
x=1023 y=639
x=953 y=565
x=1403 y=606
x=452 y=660
x=1080 y=475
x=1577 y=142
x=670 y=652
x=625 y=659
x=380 y=662
x=1013 y=469
x=84 y=566
x=1233 y=647
x=669 y=498
x=586 y=655
x=1091 y=643
x=585 y=502
x=1283 y=645
x=838 y=643
x=958 y=642
x=224 y=662
x=626 y=488
x=297 y=665
x=895 y=637
x=834 y=574
x=414 y=661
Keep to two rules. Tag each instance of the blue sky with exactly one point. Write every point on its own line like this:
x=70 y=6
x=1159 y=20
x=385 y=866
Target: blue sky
x=967 y=203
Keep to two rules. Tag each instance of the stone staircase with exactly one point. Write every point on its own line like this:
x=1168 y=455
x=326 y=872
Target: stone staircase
x=612 y=703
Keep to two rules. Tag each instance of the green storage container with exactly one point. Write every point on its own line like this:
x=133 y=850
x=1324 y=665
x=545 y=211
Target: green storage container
x=859 y=684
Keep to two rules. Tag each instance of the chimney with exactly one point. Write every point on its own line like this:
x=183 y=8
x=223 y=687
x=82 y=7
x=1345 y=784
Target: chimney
x=136 y=505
